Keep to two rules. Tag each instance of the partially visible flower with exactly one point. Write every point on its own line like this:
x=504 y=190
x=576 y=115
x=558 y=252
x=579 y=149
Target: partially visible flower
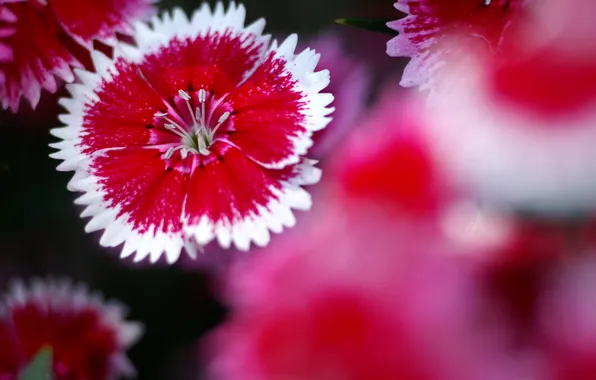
x=88 y=336
x=426 y=34
x=196 y=135
x=350 y=84
x=39 y=40
x=525 y=137
x=566 y=319
x=361 y=297
x=387 y=160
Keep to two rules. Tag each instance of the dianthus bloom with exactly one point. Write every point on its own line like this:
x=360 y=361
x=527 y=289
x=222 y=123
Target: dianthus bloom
x=39 y=40
x=525 y=137
x=395 y=167
x=378 y=302
x=88 y=337
x=197 y=134
x=426 y=33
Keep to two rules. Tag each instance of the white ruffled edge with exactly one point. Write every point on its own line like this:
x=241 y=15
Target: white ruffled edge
x=256 y=228
x=63 y=294
x=508 y=156
x=273 y=217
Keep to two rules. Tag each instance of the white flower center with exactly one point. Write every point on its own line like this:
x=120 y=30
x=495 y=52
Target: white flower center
x=197 y=137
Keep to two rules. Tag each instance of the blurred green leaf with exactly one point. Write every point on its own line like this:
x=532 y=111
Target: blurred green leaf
x=40 y=367
x=374 y=25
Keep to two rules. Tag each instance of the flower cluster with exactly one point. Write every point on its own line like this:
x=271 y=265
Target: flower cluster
x=451 y=238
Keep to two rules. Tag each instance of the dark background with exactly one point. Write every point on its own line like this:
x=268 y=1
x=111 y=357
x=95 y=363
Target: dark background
x=41 y=233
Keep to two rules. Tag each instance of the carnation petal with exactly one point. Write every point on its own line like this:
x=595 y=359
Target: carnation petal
x=85 y=21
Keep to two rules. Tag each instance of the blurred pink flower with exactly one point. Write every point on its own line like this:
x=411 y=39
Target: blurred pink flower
x=39 y=40
x=349 y=83
x=364 y=296
x=426 y=33
x=386 y=160
x=88 y=336
x=567 y=318
x=520 y=130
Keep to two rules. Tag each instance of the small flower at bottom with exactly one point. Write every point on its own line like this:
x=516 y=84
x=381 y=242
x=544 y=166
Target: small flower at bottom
x=196 y=134
x=40 y=41
x=88 y=336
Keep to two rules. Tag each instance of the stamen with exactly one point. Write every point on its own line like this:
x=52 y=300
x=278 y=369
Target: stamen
x=172 y=123
x=202 y=144
x=184 y=153
x=202 y=95
x=170 y=152
x=160 y=114
x=221 y=120
x=487 y=2
x=171 y=127
x=197 y=113
x=202 y=100
x=184 y=95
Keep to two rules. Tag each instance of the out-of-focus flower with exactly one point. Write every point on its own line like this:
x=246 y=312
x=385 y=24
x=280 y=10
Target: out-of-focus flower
x=566 y=316
x=386 y=160
x=39 y=40
x=196 y=135
x=350 y=86
x=363 y=297
x=519 y=130
x=426 y=34
x=88 y=336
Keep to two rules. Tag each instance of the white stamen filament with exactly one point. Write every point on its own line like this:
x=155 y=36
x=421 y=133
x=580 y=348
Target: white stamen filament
x=170 y=153
x=172 y=123
x=172 y=127
x=221 y=120
x=202 y=100
x=487 y=2
x=184 y=95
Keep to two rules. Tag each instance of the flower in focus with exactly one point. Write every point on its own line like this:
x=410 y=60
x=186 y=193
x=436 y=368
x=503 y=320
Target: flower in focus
x=378 y=302
x=525 y=137
x=196 y=135
x=350 y=84
x=426 y=33
x=88 y=336
x=39 y=40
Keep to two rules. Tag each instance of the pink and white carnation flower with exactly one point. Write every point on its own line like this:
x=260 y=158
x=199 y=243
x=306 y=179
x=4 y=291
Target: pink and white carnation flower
x=197 y=134
x=364 y=296
x=40 y=40
x=87 y=335
x=520 y=130
x=426 y=34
